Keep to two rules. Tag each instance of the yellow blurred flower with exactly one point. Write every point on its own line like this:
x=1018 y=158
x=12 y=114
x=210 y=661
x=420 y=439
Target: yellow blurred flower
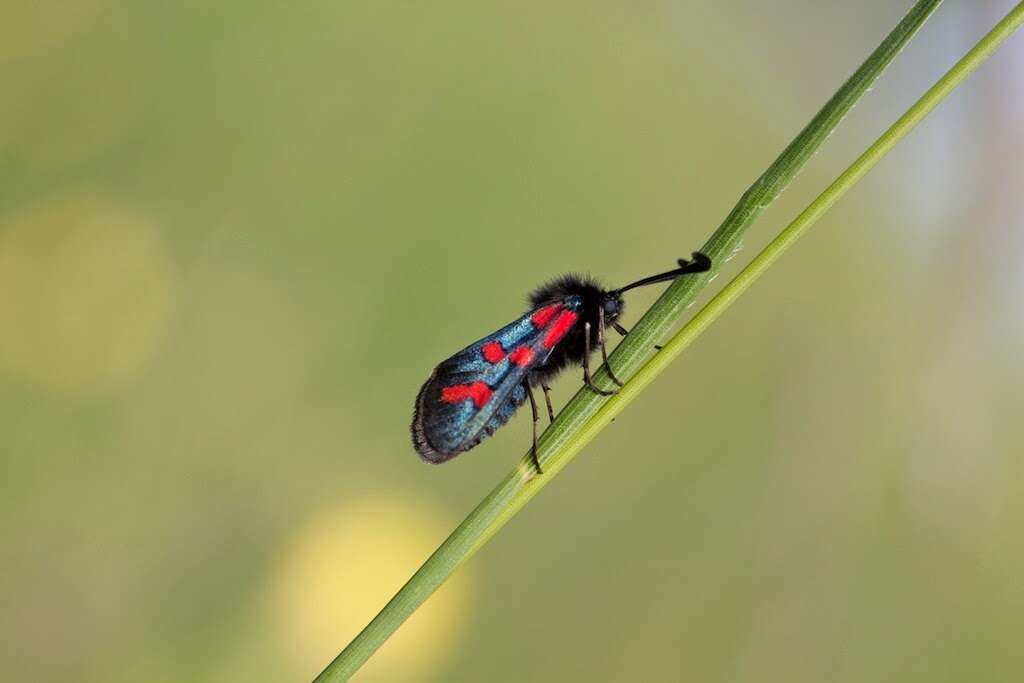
x=340 y=570
x=85 y=292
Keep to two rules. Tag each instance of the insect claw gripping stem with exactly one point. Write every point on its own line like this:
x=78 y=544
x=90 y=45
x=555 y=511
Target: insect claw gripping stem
x=536 y=419
x=587 y=379
x=547 y=399
x=593 y=387
x=604 y=351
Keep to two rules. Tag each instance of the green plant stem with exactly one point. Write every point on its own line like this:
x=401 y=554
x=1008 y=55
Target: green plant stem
x=802 y=223
x=586 y=414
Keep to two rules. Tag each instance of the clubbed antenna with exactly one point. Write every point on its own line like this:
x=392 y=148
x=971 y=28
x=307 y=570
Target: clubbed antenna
x=699 y=264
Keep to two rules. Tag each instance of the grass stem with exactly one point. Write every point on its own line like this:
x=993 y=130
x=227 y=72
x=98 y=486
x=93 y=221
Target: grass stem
x=587 y=414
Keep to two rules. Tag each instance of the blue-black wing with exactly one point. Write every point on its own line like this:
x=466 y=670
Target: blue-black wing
x=477 y=390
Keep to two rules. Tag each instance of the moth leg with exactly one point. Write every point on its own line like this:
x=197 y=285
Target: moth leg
x=586 y=363
x=536 y=419
x=623 y=331
x=547 y=399
x=604 y=351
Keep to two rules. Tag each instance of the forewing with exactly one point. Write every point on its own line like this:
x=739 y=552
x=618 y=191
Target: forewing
x=468 y=396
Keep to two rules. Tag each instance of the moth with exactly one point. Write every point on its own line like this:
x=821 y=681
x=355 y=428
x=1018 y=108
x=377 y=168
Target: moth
x=475 y=392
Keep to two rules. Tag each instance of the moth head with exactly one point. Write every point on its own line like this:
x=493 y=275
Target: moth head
x=613 y=305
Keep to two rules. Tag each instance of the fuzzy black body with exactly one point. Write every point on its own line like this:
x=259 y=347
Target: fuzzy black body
x=573 y=347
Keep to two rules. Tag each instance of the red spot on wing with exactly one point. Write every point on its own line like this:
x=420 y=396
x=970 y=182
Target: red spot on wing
x=559 y=328
x=478 y=391
x=542 y=316
x=523 y=355
x=493 y=353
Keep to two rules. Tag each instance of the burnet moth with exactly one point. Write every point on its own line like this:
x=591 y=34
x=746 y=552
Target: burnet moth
x=473 y=393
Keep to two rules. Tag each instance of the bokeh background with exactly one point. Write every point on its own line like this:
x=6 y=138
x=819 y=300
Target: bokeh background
x=235 y=238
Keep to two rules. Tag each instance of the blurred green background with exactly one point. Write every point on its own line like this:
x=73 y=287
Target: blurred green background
x=235 y=238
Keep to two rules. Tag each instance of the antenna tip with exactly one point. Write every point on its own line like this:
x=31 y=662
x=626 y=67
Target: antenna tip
x=700 y=262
